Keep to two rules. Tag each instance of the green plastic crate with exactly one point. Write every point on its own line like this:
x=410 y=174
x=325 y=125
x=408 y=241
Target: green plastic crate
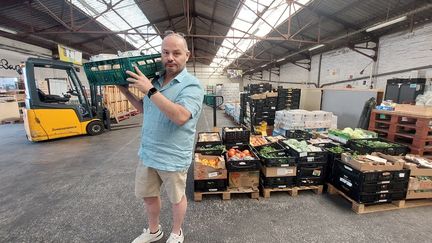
x=113 y=72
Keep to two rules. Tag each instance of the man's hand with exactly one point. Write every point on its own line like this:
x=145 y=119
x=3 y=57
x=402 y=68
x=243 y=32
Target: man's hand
x=123 y=88
x=139 y=80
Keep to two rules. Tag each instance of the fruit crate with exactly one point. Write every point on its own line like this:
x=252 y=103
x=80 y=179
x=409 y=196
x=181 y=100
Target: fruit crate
x=278 y=158
x=241 y=136
x=242 y=164
x=362 y=147
x=113 y=71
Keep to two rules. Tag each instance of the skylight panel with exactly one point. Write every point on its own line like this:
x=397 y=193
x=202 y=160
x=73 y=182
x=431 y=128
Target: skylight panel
x=273 y=12
x=126 y=17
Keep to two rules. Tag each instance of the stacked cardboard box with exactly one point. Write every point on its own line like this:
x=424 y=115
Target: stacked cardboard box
x=230 y=92
x=302 y=119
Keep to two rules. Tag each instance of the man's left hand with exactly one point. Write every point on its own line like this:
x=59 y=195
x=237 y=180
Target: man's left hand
x=139 y=80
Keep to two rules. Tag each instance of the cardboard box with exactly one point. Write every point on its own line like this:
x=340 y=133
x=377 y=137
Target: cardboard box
x=206 y=172
x=245 y=179
x=417 y=184
x=418 y=195
x=419 y=110
x=370 y=166
x=279 y=171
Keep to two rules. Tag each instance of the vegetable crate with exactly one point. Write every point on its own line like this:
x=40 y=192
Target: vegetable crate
x=307 y=157
x=298 y=134
x=369 y=145
x=311 y=173
x=210 y=185
x=275 y=155
x=210 y=149
x=235 y=135
x=277 y=182
x=333 y=154
x=113 y=71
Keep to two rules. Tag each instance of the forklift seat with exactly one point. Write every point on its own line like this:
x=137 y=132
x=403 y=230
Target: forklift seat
x=51 y=98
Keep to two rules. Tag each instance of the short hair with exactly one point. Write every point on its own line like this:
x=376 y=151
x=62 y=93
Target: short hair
x=180 y=35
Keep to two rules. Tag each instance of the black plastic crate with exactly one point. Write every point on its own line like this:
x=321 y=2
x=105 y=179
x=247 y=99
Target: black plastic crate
x=210 y=185
x=309 y=181
x=280 y=157
x=331 y=157
x=298 y=134
x=311 y=170
x=202 y=143
x=370 y=197
x=235 y=137
x=359 y=146
x=277 y=182
x=307 y=157
x=360 y=177
x=210 y=149
x=242 y=164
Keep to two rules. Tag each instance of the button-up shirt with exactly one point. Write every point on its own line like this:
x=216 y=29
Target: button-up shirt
x=165 y=145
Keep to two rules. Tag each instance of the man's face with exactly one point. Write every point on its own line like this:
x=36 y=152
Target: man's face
x=174 y=54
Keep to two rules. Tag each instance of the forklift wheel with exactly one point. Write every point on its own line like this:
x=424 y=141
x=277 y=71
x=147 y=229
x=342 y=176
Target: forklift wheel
x=95 y=128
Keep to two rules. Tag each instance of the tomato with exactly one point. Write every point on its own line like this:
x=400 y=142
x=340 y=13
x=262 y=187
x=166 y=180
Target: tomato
x=240 y=155
x=231 y=153
x=246 y=152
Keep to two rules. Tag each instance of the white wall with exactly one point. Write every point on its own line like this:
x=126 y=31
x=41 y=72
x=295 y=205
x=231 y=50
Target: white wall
x=207 y=76
x=396 y=52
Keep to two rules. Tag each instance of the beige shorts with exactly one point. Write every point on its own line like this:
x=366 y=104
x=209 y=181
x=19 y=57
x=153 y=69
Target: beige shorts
x=148 y=182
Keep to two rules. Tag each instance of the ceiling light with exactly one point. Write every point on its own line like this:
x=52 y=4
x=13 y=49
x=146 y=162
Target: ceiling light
x=8 y=30
x=382 y=25
x=280 y=60
x=316 y=47
x=264 y=65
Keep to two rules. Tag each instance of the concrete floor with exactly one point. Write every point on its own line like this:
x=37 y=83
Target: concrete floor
x=80 y=189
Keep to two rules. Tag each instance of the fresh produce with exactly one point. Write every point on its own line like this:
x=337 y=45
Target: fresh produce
x=301 y=146
x=274 y=139
x=375 y=144
x=233 y=129
x=266 y=151
x=258 y=140
x=210 y=162
x=337 y=149
x=209 y=148
x=208 y=137
x=235 y=154
x=349 y=133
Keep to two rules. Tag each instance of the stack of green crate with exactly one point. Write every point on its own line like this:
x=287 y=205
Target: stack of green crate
x=113 y=71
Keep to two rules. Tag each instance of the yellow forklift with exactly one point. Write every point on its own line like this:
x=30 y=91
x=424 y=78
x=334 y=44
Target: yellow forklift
x=51 y=112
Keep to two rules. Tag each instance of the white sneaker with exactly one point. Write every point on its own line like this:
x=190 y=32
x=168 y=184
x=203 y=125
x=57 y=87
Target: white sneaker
x=174 y=238
x=147 y=237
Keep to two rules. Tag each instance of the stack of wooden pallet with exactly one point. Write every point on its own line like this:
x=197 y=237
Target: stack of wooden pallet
x=120 y=108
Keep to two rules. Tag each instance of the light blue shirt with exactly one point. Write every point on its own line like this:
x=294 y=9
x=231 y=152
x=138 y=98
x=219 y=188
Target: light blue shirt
x=165 y=145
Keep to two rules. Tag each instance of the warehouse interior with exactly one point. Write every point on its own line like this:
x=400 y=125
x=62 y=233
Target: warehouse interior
x=278 y=71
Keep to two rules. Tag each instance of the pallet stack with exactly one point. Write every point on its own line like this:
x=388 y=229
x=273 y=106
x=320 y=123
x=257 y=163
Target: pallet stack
x=409 y=125
x=118 y=105
x=263 y=108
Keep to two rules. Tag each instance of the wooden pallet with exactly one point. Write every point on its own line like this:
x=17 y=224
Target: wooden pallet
x=226 y=195
x=292 y=191
x=361 y=208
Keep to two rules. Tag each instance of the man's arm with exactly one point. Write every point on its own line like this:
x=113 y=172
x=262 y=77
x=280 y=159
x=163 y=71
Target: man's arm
x=133 y=99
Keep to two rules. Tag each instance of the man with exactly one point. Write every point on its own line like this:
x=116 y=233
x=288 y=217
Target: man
x=171 y=108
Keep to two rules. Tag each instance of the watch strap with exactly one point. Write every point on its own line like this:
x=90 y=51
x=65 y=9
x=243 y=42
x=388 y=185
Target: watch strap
x=151 y=92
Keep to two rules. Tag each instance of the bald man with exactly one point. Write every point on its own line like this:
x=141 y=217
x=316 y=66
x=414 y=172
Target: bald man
x=171 y=108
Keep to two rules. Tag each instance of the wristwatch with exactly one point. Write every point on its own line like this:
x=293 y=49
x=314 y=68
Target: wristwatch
x=152 y=91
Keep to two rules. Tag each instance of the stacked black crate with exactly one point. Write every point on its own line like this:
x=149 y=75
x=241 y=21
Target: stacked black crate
x=279 y=168
x=259 y=88
x=311 y=166
x=282 y=99
x=242 y=163
x=270 y=108
x=295 y=99
x=370 y=187
x=257 y=111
